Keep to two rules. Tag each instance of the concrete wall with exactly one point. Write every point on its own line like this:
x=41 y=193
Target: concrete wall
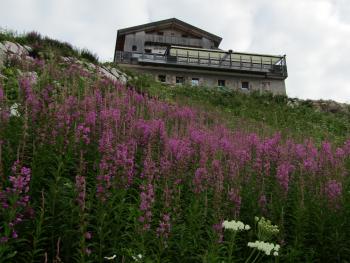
x=210 y=78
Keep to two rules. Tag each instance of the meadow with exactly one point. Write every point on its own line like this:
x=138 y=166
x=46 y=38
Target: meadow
x=95 y=171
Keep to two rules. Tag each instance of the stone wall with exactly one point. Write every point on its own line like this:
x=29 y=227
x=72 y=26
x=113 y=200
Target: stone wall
x=210 y=79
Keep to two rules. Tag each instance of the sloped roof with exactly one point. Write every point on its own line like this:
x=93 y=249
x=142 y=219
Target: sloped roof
x=169 y=22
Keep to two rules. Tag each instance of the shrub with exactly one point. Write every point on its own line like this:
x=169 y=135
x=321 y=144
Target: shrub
x=89 y=56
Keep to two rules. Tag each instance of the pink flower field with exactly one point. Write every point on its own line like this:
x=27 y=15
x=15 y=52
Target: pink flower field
x=90 y=168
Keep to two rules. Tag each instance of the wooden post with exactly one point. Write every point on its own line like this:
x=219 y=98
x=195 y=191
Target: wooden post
x=271 y=64
x=261 y=63
x=230 y=60
x=188 y=57
x=240 y=61
x=284 y=66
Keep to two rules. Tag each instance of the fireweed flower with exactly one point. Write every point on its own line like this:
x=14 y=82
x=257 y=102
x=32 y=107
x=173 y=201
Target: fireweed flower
x=199 y=179
x=88 y=235
x=218 y=228
x=30 y=98
x=83 y=133
x=164 y=226
x=326 y=153
x=236 y=199
x=14 y=200
x=333 y=191
x=283 y=171
x=262 y=202
x=4 y=112
x=80 y=186
x=2 y=94
x=147 y=200
x=180 y=149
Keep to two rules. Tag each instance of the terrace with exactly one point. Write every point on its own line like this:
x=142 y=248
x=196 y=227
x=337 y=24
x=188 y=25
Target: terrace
x=272 y=66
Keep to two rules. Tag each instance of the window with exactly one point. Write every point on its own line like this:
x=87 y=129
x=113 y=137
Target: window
x=184 y=35
x=195 y=81
x=245 y=85
x=160 y=33
x=162 y=78
x=148 y=51
x=180 y=80
x=221 y=83
x=134 y=48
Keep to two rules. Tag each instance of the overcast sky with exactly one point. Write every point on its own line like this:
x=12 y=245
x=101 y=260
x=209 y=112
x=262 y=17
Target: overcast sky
x=314 y=34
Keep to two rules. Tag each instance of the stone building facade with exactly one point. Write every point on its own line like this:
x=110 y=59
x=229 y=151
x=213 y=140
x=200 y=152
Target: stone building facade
x=175 y=52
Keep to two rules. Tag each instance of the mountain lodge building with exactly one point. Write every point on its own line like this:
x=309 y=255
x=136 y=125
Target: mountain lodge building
x=175 y=52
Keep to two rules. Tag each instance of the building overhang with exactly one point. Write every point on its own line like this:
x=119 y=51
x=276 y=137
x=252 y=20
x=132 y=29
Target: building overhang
x=172 y=23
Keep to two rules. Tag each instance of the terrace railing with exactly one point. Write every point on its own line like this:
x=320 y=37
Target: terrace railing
x=244 y=62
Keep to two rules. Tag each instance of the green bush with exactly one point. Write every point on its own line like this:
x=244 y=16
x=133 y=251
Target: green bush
x=89 y=56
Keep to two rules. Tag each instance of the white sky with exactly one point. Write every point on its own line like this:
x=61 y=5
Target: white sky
x=314 y=34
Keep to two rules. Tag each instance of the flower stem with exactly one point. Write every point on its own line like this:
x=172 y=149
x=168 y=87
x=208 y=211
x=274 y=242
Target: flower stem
x=250 y=256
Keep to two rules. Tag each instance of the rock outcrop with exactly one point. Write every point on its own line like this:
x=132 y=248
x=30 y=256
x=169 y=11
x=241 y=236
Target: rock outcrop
x=321 y=105
x=15 y=50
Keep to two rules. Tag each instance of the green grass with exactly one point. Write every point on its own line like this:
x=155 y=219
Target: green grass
x=266 y=112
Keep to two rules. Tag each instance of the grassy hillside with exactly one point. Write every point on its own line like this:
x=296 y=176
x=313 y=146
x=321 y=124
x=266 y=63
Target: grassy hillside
x=264 y=112
x=95 y=171
x=45 y=47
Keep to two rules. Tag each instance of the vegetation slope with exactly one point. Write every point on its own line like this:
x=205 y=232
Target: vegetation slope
x=96 y=171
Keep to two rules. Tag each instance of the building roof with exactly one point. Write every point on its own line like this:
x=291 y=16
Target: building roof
x=170 y=22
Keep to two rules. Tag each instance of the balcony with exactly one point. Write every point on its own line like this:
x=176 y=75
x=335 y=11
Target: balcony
x=270 y=66
x=173 y=40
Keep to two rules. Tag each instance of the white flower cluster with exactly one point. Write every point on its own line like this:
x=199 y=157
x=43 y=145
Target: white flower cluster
x=137 y=258
x=265 y=226
x=110 y=258
x=265 y=247
x=14 y=110
x=235 y=225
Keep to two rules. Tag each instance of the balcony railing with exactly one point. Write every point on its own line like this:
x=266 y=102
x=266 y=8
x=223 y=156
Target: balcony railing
x=245 y=62
x=173 y=40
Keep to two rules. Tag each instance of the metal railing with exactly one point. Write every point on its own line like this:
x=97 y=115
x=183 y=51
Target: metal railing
x=253 y=63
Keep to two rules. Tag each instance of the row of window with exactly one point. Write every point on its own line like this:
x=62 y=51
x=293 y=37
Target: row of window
x=172 y=34
x=147 y=50
x=195 y=81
